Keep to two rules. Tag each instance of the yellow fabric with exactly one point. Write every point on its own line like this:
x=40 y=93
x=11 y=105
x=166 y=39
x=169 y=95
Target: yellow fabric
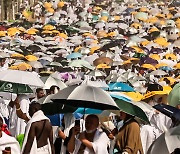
x=172 y=80
x=148 y=66
x=137 y=49
x=171 y=55
x=144 y=43
x=47 y=5
x=2 y=33
x=177 y=66
x=31 y=58
x=17 y=55
x=154 y=29
x=136 y=96
x=48 y=27
x=63 y=35
x=136 y=25
x=103 y=66
x=161 y=41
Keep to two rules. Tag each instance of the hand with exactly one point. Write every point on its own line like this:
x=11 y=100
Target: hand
x=82 y=136
x=76 y=130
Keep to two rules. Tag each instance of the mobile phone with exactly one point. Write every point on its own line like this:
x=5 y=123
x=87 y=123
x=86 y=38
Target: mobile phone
x=77 y=122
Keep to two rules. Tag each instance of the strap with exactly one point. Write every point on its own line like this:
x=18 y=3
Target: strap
x=41 y=131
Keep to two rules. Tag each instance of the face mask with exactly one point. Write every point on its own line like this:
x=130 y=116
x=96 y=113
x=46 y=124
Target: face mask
x=90 y=131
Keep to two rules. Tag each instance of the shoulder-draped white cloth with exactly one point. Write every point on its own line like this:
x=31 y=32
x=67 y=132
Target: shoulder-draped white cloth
x=38 y=116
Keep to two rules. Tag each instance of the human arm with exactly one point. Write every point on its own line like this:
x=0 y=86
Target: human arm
x=30 y=139
x=71 y=143
x=51 y=141
x=61 y=134
x=19 y=112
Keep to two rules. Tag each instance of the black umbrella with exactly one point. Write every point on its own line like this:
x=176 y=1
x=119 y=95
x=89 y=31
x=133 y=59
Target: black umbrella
x=169 y=111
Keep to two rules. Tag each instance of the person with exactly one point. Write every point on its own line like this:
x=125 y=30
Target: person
x=89 y=141
x=54 y=89
x=39 y=94
x=39 y=134
x=8 y=141
x=128 y=140
x=17 y=125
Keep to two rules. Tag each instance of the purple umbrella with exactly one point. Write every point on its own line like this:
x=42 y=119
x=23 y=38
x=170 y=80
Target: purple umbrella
x=148 y=60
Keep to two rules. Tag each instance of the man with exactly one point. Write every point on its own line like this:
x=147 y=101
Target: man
x=90 y=141
x=39 y=94
x=8 y=141
x=128 y=140
x=39 y=134
x=16 y=125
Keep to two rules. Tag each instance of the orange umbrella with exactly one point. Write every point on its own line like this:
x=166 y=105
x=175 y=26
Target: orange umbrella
x=148 y=66
x=103 y=60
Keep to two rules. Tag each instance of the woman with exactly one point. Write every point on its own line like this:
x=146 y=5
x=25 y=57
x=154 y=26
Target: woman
x=128 y=140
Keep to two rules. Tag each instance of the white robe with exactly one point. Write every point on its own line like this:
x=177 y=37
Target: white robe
x=38 y=116
x=8 y=141
x=16 y=125
x=100 y=144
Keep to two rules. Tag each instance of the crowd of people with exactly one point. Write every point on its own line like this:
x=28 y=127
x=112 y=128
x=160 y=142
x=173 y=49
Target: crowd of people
x=127 y=48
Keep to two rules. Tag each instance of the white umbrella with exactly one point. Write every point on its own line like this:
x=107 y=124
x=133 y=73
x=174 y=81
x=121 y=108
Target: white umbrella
x=54 y=81
x=96 y=73
x=98 y=83
x=85 y=96
x=168 y=142
x=158 y=72
x=22 y=77
x=35 y=64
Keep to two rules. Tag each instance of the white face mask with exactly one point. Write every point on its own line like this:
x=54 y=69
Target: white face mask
x=90 y=131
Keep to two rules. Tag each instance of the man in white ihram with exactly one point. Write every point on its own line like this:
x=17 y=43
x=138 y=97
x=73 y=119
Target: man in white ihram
x=91 y=141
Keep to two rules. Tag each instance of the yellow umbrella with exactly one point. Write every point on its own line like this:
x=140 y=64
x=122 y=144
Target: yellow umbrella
x=161 y=41
x=137 y=49
x=2 y=33
x=31 y=58
x=171 y=56
x=24 y=66
x=48 y=27
x=152 y=93
x=144 y=9
x=111 y=34
x=77 y=49
x=93 y=49
x=127 y=62
x=14 y=67
x=22 y=29
x=144 y=43
x=161 y=65
x=31 y=32
x=148 y=66
x=12 y=31
x=152 y=20
x=177 y=66
x=136 y=25
x=47 y=32
x=159 y=15
x=167 y=89
x=155 y=56
x=172 y=80
x=61 y=4
x=154 y=29
x=47 y=5
x=136 y=96
x=51 y=10
x=116 y=18
x=63 y=35
x=17 y=55
x=101 y=34
x=104 y=18
x=55 y=31
x=103 y=66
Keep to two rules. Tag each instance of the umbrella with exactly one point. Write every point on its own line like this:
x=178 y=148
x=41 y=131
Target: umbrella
x=51 y=108
x=74 y=55
x=131 y=109
x=91 y=97
x=14 y=88
x=168 y=140
x=102 y=60
x=174 y=97
x=96 y=73
x=119 y=86
x=22 y=77
x=35 y=64
x=169 y=111
x=50 y=81
x=158 y=72
x=141 y=15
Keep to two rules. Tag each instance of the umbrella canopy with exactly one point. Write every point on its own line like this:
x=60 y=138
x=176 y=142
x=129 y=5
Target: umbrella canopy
x=91 y=97
x=14 y=88
x=169 y=111
x=174 y=97
x=131 y=109
x=168 y=140
x=119 y=86
x=158 y=72
x=74 y=55
x=22 y=77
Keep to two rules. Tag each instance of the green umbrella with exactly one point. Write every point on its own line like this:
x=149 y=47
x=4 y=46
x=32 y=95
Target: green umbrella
x=16 y=88
x=174 y=96
x=131 y=109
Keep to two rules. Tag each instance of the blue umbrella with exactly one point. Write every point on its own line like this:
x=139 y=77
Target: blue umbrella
x=88 y=111
x=166 y=68
x=74 y=55
x=119 y=86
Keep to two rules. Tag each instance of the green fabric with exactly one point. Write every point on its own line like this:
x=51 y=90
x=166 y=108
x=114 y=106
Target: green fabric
x=20 y=139
x=174 y=96
x=14 y=88
x=131 y=109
